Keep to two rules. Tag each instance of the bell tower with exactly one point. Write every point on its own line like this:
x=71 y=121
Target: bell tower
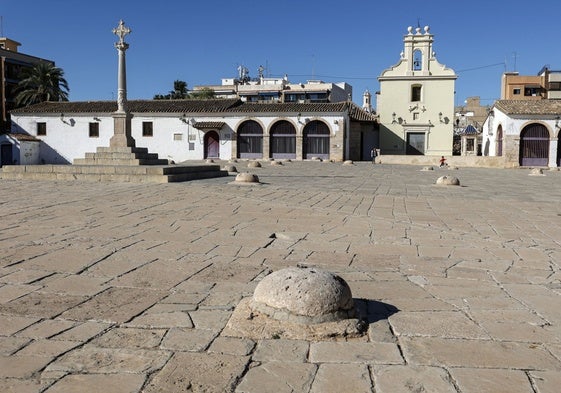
x=367 y=101
x=418 y=51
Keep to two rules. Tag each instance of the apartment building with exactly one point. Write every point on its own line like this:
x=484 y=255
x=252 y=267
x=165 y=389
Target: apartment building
x=545 y=85
x=12 y=62
x=264 y=89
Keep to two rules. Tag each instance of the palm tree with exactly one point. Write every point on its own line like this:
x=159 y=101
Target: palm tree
x=179 y=90
x=43 y=82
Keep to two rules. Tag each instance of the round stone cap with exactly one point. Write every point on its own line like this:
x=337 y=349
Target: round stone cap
x=304 y=295
x=448 y=181
x=536 y=172
x=245 y=177
x=254 y=164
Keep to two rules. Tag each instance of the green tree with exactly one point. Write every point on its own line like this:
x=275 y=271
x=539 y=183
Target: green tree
x=43 y=82
x=179 y=92
x=203 y=94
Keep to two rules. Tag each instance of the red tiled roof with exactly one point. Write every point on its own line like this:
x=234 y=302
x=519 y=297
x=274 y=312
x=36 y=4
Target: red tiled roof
x=135 y=106
x=355 y=112
x=207 y=125
x=529 y=107
x=198 y=106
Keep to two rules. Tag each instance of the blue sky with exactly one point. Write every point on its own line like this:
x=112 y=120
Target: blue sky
x=202 y=42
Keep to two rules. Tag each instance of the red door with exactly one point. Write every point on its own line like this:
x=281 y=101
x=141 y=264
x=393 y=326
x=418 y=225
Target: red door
x=212 y=145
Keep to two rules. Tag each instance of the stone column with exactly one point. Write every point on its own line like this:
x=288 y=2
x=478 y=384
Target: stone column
x=552 y=153
x=299 y=146
x=122 y=119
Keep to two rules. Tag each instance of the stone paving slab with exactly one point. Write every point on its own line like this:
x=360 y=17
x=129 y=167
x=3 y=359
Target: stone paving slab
x=130 y=287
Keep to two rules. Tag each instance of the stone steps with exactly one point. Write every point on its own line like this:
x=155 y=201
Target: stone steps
x=119 y=161
x=120 y=173
x=120 y=156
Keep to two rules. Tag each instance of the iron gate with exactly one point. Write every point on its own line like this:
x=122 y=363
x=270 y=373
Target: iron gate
x=316 y=140
x=250 y=140
x=282 y=143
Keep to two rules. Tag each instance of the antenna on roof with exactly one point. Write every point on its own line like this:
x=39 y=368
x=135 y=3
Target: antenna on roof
x=1 y=26
x=313 y=66
x=418 y=22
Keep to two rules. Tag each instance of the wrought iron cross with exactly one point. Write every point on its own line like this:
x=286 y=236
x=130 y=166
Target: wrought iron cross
x=121 y=31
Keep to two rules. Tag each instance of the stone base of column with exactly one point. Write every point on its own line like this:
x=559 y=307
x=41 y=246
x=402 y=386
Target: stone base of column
x=122 y=131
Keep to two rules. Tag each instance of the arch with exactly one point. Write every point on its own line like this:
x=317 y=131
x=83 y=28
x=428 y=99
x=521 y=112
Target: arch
x=417 y=60
x=212 y=144
x=316 y=140
x=250 y=140
x=499 y=141
x=534 y=145
x=282 y=140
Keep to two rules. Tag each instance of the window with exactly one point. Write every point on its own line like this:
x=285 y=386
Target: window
x=41 y=128
x=516 y=91
x=294 y=97
x=94 y=130
x=318 y=97
x=531 y=91
x=416 y=93
x=147 y=128
x=416 y=116
x=177 y=137
x=470 y=144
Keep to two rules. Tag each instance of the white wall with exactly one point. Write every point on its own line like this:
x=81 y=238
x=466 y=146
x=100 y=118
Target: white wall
x=65 y=140
x=512 y=127
x=68 y=140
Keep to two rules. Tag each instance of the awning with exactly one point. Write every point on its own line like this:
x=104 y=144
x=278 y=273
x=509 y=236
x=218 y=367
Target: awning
x=469 y=130
x=209 y=125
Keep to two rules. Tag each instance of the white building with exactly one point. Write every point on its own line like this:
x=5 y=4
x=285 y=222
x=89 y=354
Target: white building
x=180 y=130
x=524 y=132
x=264 y=89
x=19 y=149
x=415 y=103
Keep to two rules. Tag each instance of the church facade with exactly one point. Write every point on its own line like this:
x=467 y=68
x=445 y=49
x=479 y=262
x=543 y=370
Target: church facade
x=415 y=103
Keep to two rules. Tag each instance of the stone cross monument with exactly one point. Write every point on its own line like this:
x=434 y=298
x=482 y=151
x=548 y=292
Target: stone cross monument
x=122 y=118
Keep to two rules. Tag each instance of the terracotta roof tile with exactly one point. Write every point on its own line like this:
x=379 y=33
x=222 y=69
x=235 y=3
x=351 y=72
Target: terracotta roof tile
x=355 y=112
x=206 y=125
x=135 y=106
x=198 y=106
x=529 y=107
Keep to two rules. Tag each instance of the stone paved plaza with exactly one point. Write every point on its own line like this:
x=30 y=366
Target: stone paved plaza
x=108 y=287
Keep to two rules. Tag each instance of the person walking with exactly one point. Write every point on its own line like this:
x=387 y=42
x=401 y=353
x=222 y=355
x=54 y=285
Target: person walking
x=373 y=155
